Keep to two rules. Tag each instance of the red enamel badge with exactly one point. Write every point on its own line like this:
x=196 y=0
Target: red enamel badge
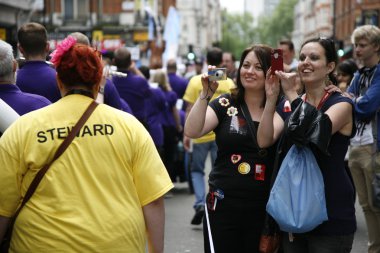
x=287 y=107
x=235 y=158
x=260 y=172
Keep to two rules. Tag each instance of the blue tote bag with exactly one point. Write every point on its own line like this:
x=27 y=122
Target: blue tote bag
x=297 y=199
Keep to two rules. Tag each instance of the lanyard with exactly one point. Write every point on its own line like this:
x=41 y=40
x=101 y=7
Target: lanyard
x=81 y=92
x=323 y=100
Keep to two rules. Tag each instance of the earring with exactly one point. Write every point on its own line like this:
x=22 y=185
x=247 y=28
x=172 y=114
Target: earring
x=327 y=80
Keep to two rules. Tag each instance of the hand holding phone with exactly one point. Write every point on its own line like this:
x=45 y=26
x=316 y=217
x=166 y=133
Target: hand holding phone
x=277 y=62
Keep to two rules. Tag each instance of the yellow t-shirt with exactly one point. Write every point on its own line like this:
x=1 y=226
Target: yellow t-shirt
x=191 y=95
x=91 y=198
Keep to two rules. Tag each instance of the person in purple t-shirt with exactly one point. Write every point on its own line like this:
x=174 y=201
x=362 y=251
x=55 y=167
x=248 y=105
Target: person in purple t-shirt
x=112 y=97
x=171 y=123
x=20 y=102
x=177 y=83
x=156 y=104
x=134 y=89
x=36 y=75
x=110 y=94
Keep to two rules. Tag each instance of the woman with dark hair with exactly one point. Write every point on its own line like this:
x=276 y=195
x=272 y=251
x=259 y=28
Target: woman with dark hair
x=327 y=111
x=239 y=183
x=345 y=72
x=104 y=193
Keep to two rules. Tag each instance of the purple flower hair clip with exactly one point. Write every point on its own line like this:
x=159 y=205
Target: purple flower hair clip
x=61 y=49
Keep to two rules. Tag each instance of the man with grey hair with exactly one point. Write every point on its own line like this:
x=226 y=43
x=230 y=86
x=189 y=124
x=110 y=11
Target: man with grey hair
x=108 y=93
x=81 y=38
x=364 y=156
x=20 y=101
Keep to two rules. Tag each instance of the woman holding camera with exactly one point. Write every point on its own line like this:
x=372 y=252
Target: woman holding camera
x=239 y=182
x=317 y=62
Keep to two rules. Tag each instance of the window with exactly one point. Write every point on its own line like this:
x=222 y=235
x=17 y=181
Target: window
x=69 y=9
x=75 y=9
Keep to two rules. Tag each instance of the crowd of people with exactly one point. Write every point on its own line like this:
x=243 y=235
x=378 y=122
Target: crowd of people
x=105 y=192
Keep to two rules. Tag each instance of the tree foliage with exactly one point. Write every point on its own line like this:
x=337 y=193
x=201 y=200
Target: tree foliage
x=239 y=32
x=279 y=25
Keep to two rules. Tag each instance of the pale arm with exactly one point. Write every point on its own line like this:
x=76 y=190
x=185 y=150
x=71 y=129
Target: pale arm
x=271 y=124
x=201 y=118
x=4 y=223
x=270 y=127
x=154 y=215
x=340 y=115
x=177 y=119
x=187 y=140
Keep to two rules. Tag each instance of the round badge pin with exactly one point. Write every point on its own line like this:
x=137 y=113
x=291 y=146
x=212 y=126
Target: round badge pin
x=244 y=168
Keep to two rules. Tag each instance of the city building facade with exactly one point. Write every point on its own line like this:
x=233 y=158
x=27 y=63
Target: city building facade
x=201 y=25
x=313 y=18
x=350 y=14
x=12 y=14
x=334 y=19
x=113 y=23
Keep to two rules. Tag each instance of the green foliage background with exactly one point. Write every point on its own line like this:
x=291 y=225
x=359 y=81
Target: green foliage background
x=239 y=32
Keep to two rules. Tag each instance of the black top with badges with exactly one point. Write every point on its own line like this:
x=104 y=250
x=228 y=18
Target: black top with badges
x=239 y=170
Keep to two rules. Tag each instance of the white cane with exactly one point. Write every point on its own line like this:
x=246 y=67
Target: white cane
x=209 y=231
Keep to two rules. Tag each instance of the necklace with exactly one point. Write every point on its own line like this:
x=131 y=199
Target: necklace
x=322 y=101
x=81 y=92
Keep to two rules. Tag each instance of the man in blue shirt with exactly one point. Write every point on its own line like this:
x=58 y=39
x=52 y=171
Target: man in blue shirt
x=20 y=102
x=134 y=89
x=364 y=156
x=177 y=83
x=36 y=75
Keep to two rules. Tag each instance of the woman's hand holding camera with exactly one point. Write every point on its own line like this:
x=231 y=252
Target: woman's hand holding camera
x=209 y=87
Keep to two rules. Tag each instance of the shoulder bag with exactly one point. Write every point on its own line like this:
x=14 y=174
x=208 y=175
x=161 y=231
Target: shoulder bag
x=270 y=236
x=5 y=243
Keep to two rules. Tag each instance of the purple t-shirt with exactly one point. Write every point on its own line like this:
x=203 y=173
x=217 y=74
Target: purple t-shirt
x=167 y=115
x=125 y=106
x=37 y=77
x=112 y=97
x=156 y=104
x=178 y=84
x=135 y=91
x=21 y=102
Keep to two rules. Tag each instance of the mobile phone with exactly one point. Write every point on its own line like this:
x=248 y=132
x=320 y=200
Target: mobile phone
x=217 y=74
x=277 y=62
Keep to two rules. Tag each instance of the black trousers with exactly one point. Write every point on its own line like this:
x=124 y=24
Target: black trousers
x=236 y=225
x=170 y=150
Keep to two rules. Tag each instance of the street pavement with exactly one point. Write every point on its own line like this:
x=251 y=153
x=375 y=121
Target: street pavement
x=182 y=237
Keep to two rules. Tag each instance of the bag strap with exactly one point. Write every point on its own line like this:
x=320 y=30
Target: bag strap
x=37 y=179
x=244 y=109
